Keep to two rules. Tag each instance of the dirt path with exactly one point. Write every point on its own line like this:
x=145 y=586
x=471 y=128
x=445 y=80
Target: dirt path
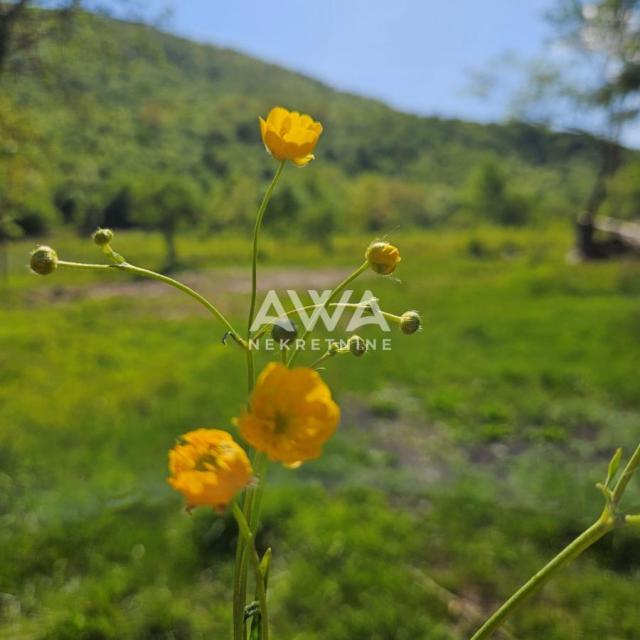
x=211 y=283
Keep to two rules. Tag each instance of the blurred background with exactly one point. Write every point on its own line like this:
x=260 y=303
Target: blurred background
x=495 y=143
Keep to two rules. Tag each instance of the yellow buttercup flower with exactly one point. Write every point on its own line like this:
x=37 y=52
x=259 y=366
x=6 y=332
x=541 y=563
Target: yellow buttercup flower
x=383 y=257
x=291 y=414
x=288 y=135
x=208 y=468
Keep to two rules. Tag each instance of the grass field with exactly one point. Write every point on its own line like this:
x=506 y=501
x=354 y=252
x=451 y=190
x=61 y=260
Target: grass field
x=467 y=455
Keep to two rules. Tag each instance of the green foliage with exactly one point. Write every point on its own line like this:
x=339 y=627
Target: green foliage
x=382 y=204
x=119 y=102
x=460 y=467
x=489 y=195
x=163 y=202
x=34 y=212
x=623 y=193
x=9 y=229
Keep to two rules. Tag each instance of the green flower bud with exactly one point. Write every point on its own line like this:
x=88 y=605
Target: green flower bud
x=334 y=348
x=44 y=260
x=102 y=236
x=410 y=322
x=284 y=332
x=357 y=345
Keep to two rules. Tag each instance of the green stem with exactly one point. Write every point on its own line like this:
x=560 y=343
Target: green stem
x=238 y=600
x=251 y=375
x=261 y=464
x=588 y=537
x=629 y=470
x=125 y=266
x=345 y=305
x=250 y=508
x=240 y=572
x=249 y=540
x=322 y=358
x=256 y=235
x=334 y=294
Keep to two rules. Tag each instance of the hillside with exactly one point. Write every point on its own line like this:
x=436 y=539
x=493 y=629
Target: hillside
x=121 y=101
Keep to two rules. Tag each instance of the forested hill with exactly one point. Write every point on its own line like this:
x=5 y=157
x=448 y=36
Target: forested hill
x=118 y=102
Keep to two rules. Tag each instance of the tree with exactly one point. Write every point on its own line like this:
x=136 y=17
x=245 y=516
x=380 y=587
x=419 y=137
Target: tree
x=9 y=231
x=607 y=35
x=166 y=203
x=598 y=71
x=623 y=200
x=22 y=29
x=489 y=196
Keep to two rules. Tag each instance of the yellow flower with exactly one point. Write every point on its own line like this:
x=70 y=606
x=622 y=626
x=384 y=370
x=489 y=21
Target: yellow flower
x=287 y=135
x=383 y=257
x=291 y=414
x=208 y=467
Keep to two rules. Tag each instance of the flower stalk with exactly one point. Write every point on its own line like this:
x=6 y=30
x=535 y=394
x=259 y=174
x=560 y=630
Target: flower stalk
x=334 y=294
x=609 y=520
x=147 y=273
x=256 y=236
x=588 y=537
x=249 y=540
x=250 y=511
x=252 y=496
x=208 y=466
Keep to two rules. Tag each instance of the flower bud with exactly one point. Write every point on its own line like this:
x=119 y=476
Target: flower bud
x=102 y=236
x=382 y=257
x=284 y=332
x=44 y=260
x=334 y=348
x=357 y=345
x=410 y=322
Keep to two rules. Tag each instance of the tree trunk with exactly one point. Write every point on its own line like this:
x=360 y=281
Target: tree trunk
x=8 y=19
x=4 y=262
x=171 y=259
x=586 y=245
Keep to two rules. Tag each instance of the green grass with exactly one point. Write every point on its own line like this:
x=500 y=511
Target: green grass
x=467 y=455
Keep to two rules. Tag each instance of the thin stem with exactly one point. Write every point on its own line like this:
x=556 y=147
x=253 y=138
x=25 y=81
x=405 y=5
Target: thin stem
x=629 y=470
x=249 y=539
x=346 y=305
x=322 y=358
x=251 y=375
x=125 y=266
x=334 y=294
x=238 y=599
x=569 y=553
x=256 y=235
x=609 y=520
x=261 y=465
x=240 y=571
x=250 y=508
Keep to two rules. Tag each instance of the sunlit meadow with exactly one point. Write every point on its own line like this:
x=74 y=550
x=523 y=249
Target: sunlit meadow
x=323 y=370
x=459 y=465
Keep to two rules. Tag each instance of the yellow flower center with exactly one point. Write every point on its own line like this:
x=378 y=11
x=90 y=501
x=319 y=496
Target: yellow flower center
x=281 y=423
x=286 y=126
x=207 y=462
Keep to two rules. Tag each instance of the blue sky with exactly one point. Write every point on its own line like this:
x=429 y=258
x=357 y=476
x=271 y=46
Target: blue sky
x=415 y=55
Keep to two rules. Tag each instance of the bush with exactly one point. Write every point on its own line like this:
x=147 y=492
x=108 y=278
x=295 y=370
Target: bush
x=623 y=199
x=166 y=203
x=34 y=213
x=489 y=195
